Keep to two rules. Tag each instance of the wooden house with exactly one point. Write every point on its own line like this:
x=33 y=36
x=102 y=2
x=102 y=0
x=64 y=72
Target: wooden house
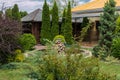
x=92 y=10
x=32 y=23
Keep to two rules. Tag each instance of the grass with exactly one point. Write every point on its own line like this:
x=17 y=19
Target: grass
x=21 y=70
x=30 y=65
x=112 y=68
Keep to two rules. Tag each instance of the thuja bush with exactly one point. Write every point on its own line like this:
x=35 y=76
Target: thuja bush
x=59 y=37
x=19 y=56
x=27 y=41
x=9 y=32
x=116 y=47
x=70 y=67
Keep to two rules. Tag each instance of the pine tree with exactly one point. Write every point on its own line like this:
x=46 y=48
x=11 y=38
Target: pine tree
x=15 y=12
x=63 y=23
x=107 y=28
x=45 y=28
x=68 y=27
x=55 y=24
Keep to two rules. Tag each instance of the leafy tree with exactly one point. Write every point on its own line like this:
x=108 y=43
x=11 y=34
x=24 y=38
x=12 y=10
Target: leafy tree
x=63 y=22
x=9 y=32
x=8 y=13
x=45 y=29
x=55 y=18
x=23 y=13
x=107 y=28
x=68 y=27
x=15 y=12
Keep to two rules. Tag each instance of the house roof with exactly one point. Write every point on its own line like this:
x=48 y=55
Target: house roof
x=95 y=4
x=35 y=16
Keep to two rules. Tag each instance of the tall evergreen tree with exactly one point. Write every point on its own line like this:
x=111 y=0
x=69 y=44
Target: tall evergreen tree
x=8 y=13
x=55 y=18
x=68 y=27
x=1 y=14
x=107 y=28
x=85 y=22
x=15 y=12
x=117 y=30
x=45 y=29
x=63 y=23
x=23 y=13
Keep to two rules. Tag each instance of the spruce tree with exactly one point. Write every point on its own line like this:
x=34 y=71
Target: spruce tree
x=68 y=27
x=15 y=12
x=63 y=23
x=107 y=28
x=55 y=18
x=45 y=28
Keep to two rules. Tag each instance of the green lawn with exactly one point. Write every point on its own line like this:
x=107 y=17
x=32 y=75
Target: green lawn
x=112 y=68
x=22 y=69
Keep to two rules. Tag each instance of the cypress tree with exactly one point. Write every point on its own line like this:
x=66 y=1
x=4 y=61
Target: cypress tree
x=15 y=12
x=45 y=28
x=63 y=23
x=107 y=28
x=55 y=18
x=68 y=27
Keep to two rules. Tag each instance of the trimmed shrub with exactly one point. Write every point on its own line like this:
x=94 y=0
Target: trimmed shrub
x=59 y=37
x=116 y=47
x=27 y=41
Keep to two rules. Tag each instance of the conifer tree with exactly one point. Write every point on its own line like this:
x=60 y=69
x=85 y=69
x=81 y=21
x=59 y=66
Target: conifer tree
x=55 y=18
x=63 y=22
x=68 y=27
x=8 y=13
x=45 y=28
x=107 y=28
x=15 y=12
x=85 y=22
x=23 y=13
x=117 y=30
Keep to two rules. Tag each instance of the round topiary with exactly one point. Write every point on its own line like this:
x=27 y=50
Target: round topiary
x=27 y=41
x=59 y=38
x=116 y=47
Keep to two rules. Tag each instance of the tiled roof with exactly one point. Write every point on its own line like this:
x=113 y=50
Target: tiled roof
x=34 y=16
x=95 y=4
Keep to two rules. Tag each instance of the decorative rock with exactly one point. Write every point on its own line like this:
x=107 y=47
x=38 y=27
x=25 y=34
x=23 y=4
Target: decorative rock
x=59 y=46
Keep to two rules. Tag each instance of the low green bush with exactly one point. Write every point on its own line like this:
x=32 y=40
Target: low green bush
x=27 y=41
x=19 y=56
x=70 y=67
x=116 y=47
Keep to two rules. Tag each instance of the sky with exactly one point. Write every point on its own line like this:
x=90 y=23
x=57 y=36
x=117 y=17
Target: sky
x=28 y=5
